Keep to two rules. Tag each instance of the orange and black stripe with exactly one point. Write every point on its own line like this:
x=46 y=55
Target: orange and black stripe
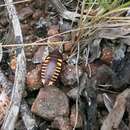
x=51 y=68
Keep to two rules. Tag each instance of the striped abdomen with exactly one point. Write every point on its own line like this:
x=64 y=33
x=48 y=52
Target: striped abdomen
x=51 y=68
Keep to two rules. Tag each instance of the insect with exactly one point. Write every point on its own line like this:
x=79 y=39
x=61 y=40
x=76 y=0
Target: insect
x=51 y=68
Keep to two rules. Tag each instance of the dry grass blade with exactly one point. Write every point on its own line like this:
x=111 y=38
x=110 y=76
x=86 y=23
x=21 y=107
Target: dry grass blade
x=80 y=33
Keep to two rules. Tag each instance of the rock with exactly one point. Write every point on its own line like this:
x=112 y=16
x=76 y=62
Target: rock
x=68 y=76
x=91 y=68
x=24 y=13
x=25 y=28
x=13 y=63
x=40 y=55
x=50 y=103
x=110 y=79
x=73 y=118
x=61 y=123
x=104 y=75
x=33 y=78
x=64 y=25
x=107 y=55
x=52 y=31
x=37 y=14
x=73 y=93
x=121 y=68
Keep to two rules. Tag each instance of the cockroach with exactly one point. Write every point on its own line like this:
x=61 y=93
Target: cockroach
x=51 y=68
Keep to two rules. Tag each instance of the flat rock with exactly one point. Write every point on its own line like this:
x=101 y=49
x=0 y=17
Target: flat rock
x=50 y=103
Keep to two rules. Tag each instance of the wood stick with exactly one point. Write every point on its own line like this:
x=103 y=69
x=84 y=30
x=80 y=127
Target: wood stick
x=115 y=116
x=109 y=105
x=19 y=82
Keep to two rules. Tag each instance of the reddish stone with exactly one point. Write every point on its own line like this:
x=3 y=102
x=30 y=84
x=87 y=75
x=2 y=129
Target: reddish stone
x=50 y=103
x=33 y=79
x=107 y=55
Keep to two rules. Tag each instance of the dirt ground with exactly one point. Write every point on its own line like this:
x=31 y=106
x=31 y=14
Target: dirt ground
x=66 y=68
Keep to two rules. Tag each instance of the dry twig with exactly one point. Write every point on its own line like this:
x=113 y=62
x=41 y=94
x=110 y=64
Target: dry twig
x=18 y=87
x=114 y=118
x=109 y=105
